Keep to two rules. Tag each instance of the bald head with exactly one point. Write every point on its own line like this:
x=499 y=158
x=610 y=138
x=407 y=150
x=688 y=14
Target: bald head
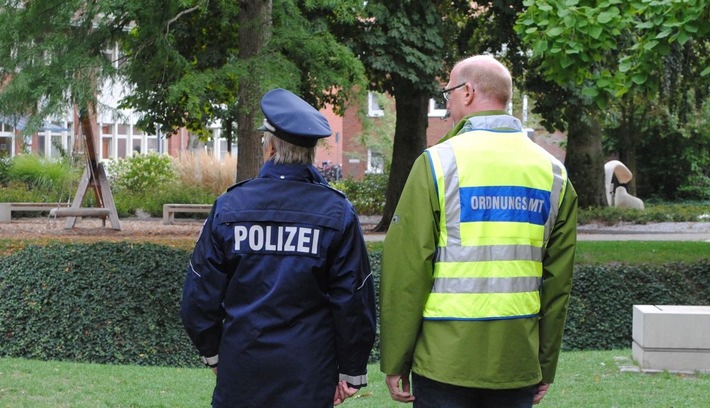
x=491 y=86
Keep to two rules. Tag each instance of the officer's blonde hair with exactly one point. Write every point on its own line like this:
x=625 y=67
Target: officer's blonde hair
x=288 y=153
x=489 y=77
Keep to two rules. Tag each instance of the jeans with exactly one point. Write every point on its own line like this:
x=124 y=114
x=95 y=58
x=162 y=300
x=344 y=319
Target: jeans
x=434 y=394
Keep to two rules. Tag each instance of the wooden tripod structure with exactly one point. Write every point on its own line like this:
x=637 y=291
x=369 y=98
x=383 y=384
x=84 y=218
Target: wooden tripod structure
x=94 y=177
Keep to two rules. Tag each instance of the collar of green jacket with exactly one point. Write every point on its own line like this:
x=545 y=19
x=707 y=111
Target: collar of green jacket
x=492 y=119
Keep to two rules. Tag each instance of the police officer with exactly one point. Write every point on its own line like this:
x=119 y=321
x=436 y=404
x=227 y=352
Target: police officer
x=278 y=297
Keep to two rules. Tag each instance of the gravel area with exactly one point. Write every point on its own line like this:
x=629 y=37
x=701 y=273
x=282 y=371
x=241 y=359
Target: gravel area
x=91 y=227
x=49 y=227
x=190 y=228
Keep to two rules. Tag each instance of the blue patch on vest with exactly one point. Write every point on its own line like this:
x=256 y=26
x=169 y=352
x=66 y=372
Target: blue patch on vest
x=505 y=204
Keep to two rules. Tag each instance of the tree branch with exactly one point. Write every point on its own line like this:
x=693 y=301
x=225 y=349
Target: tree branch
x=180 y=14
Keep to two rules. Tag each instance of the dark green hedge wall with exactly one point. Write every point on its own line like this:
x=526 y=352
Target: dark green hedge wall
x=601 y=308
x=102 y=303
x=119 y=302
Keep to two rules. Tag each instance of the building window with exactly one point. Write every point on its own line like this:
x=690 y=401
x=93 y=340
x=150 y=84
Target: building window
x=437 y=109
x=373 y=107
x=152 y=143
x=375 y=162
x=5 y=145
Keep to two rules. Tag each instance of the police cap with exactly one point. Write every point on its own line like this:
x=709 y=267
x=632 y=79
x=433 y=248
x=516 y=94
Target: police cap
x=292 y=119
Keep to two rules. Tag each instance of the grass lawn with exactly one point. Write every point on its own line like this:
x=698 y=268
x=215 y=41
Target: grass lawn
x=584 y=379
x=627 y=252
x=640 y=252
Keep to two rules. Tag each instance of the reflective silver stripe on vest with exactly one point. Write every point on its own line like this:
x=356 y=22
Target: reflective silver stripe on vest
x=486 y=285
x=555 y=197
x=353 y=380
x=452 y=198
x=489 y=253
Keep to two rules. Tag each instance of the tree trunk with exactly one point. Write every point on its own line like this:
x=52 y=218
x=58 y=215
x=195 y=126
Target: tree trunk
x=229 y=134
x=86 y=114
x=409 y=142
x=584 y=159
x=629 y=139
x=254 y=35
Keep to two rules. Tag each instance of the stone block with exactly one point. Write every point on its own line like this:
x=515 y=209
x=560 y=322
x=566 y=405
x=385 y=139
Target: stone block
x=671 y=337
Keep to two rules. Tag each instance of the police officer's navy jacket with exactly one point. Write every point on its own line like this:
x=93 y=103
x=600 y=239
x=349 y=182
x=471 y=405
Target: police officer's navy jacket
x=279 y=288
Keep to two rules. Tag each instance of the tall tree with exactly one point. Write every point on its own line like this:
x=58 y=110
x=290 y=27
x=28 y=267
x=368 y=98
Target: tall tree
x=254 y=36
x=178 y=61
x=186 y=63
x=210 y=69
x=54 y=58
x=53 y=55
x=402 y=48
x=599 y=51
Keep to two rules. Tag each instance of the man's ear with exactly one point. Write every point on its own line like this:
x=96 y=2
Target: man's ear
x=470 y=93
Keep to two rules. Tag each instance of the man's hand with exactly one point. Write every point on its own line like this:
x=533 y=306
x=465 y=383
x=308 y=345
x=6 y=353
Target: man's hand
x=343 y=392
x=540 y=394
x=397 y=394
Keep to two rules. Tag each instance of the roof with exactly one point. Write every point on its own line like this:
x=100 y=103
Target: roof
x=20 y=123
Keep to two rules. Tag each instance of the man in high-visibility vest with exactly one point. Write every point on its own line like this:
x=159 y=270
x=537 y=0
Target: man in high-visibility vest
x=477 y=263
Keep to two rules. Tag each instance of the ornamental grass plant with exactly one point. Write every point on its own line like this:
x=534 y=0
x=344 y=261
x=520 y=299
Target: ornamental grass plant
x=201 y=169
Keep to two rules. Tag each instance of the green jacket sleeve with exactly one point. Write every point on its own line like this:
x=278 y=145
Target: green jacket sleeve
x=407 y=268
x=558 y=264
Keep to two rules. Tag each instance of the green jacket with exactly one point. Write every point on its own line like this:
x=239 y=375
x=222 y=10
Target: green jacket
x=496 y=354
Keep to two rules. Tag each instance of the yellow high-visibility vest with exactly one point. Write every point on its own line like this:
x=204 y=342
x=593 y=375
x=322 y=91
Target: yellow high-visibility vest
x=499 y=195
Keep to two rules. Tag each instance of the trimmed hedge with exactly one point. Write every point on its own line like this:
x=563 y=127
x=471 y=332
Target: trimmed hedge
x=600 y=316
x=100 y=303
x=119 y=302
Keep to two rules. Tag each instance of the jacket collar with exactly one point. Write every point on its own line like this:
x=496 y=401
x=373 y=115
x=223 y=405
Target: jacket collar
x=291 y=172
x=487 y=120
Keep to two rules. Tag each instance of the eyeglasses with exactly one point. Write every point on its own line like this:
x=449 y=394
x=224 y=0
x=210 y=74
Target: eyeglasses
x=445 y=92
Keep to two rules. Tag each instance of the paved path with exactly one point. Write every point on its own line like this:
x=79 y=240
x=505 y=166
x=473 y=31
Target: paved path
x=663 y=231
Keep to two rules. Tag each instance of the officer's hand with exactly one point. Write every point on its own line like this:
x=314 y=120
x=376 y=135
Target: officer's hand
x=214 y=370
x=540 y=393
x=343 y=392
x=403 y=395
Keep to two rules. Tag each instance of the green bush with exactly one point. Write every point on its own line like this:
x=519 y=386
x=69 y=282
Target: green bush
x=5 y=162
x=127 y=202
x=600 y=315
x=368 y=195
x=30 y=176
x=653 y=212
x=141 y=173
x=101 y=303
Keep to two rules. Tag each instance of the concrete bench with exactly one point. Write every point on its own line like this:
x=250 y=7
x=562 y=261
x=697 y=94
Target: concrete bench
x=80 y=212
x=6 y=209
x=169 y=210
x=673 y=338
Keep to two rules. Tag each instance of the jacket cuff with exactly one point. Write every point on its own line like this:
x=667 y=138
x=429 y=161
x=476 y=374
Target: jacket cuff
x=356 y=381
x=210 y=361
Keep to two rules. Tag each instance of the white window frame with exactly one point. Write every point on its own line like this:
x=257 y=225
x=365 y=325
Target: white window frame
x=373 y=109
x=435 y=111
x=372 y=166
